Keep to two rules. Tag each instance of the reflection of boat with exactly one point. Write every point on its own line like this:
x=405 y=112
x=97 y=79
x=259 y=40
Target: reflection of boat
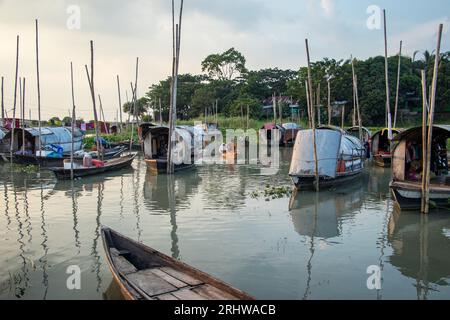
x=319 y=214
x=421 y=244
x=143 y=273
x=109 y=165
x=340 y=158
x=407 y=170
x=156 y=147
x=381 y=147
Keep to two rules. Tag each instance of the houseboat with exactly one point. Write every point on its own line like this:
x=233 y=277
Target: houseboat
x=406 y=184
x=381 y=147
x=340 y=158
x=155 y=145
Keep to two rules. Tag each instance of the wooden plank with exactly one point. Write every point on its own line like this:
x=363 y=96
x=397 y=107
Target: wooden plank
x=170 y=279
x=182 y=276
x=212 y=293
x=188 y=294
x=167 y=297
x=123 y=265
x=150 y=283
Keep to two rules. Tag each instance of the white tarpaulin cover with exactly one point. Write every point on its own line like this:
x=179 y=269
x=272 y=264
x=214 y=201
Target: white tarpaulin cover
x=331 y=146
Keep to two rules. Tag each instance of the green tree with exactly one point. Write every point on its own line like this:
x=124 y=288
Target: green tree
x=228 y=65
x=142 y=107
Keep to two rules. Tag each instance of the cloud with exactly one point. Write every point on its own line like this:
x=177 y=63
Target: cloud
x=328 y=7
x=421 y=37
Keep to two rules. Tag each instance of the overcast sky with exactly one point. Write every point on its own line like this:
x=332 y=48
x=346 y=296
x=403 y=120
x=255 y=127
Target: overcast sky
x=269 y=33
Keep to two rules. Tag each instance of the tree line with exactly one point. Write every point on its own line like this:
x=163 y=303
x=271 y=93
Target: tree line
x=225 y=80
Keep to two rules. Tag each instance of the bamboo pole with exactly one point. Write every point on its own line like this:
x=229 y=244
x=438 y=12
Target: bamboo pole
x=398 y=84
x=160 y=112
x=94 y=103
x=13 y=125
x=73 y=122
x=343 y=117
x=354 y=93
x=319 y=122
x=38 y=88
x=274 y=103
x=134 y=102
x=120 y=103
x=431 y=119
x=316 y=161
x=329 y=101
x=248 y=116
x=358 y=110
x=424 y=138
x=102 y=114
x=280 y=107
x=308 y=101
x=3 y=103
x=23 y=115
x=386 y=70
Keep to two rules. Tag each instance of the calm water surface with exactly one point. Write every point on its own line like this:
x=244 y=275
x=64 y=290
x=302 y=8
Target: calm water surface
x=308 y=246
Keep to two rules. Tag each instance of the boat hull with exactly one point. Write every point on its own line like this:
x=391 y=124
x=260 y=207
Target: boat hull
x=308 y=182
x=114 y=165
x=409 y=198
x=157 y=166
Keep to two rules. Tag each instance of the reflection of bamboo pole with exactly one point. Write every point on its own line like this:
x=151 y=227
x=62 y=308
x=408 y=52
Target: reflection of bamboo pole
x=316 y=161
x=431 y=119
x=13 y=125
x=424 y=137
x=398 y=84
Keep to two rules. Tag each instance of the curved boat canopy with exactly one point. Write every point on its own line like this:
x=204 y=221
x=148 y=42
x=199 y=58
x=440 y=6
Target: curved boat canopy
x=291 y=126
x=414 y=135
x=332 y=144
x=61 y=136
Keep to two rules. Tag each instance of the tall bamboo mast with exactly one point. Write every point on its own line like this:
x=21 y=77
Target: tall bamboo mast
x=38 y=88
x=120 y=102
x=329 y=101
x=398 y=84
x=308 y=101
x=13 y=125
x=94 y=103
x=431 y=119
x=134 y=92
x=160 y=112
x=3 y=104
x=316 y=161
x=23 y=114
x=319 y=122
x=73 y=122
x=424 y=137
x=386 y=70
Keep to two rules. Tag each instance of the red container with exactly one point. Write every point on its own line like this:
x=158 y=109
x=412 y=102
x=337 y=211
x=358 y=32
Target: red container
x=98 y=163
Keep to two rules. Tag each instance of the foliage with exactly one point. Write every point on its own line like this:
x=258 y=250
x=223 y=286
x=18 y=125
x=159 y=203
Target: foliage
x=228 y=65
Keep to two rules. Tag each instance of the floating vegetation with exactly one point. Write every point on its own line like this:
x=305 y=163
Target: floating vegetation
x=272 y=193
x=17 y=168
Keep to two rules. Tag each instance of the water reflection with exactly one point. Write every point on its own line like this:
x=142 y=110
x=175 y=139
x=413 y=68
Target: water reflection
x=307 y=246
x=421 y=244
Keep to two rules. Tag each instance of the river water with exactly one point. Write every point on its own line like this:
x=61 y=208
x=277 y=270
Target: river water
x=304 y=246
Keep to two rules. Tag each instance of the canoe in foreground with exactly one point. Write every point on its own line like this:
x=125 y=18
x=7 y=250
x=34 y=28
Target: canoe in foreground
x=110 y=165
x=143 y=273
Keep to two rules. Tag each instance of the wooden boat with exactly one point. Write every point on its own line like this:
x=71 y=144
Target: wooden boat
x=52 y=162
x=110 y=165
x=340 y=158
x=406 y=184
x=155 y=146
x=381 y=147
x=366 y=138
x=143 y=273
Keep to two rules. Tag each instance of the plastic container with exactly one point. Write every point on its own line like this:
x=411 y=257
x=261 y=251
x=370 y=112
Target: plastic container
x=98 y=163
x=87 y=161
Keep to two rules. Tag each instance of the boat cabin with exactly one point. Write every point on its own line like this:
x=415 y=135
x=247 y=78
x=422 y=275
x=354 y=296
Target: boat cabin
x=340 y=157
x=155 y=143
x=407 y=167
x=270 y=127
x=381 y=147
x=58 y=136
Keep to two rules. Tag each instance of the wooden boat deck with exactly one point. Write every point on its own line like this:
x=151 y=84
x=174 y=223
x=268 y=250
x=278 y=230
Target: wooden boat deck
x=145 y=274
